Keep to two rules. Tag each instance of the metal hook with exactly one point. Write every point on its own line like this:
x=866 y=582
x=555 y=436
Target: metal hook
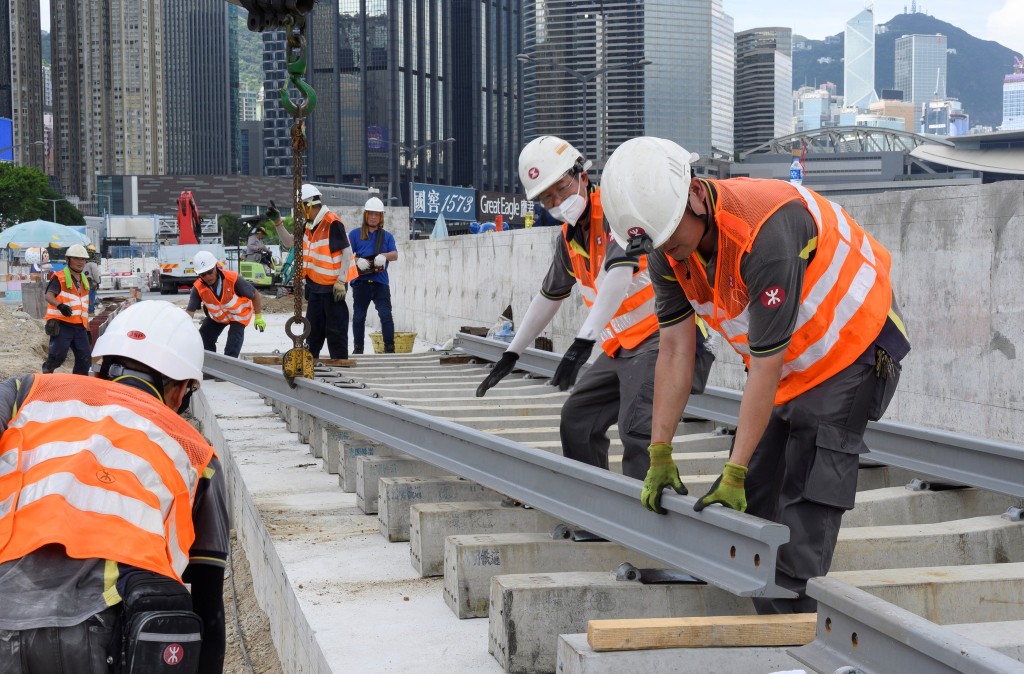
x=299 y=109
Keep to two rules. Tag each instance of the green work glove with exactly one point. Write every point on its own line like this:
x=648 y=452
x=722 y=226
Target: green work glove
x=340 y=289
x=272 y=213
x=260 y=324
x=727 y=490
x=662 y=473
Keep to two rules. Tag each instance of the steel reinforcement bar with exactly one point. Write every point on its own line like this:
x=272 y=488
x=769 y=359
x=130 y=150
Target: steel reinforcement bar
x=951 y=457
x=730 y=550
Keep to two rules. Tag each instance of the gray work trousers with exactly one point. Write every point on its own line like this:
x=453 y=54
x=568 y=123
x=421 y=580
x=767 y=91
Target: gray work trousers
x=79 y=649
x=804 y=473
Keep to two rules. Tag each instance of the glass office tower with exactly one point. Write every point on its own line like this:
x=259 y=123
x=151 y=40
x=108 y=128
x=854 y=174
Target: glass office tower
x=859 y=61
x=921 y=68
x=609 y=95
x=764 y=86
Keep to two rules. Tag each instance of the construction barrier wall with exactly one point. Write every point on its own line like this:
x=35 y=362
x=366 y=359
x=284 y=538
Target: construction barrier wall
x=958 y=256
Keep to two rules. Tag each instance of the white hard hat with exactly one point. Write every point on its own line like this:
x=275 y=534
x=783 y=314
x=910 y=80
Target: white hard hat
x=157 y=334
x=77 y=250
x=203 y=261
x=310 y=192
x=374 y=205
x=644 y=189
x=543 y=161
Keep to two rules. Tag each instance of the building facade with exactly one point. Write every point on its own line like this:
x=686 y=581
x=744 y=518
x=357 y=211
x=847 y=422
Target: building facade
x=21 y=79
x=277 y=145
x=1013 y=101
x=621 y=68
x=921 y=68
x=201 y=79
x=764 y=86
x=109 y=90
x=859 y=61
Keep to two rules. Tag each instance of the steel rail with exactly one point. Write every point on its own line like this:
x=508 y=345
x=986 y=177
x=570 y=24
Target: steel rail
x=951 y=457
x=736 y=552
x=860 y=631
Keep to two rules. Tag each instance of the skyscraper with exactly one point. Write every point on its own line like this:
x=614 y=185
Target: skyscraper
x=201 y=80
x=684 y=94
x=921 y=68
x=109 y=93
x=277 y=145
x=1013 y=98
x=859 y=61
x=21 y=78
x=764 y=86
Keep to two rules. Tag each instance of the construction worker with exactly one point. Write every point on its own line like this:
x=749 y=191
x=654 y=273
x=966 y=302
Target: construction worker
x=325 y=268
x=228 y=300
x=372 y=248
x=67 y=313
x=804 y=295
x=92 y=272
x=256 y=250
x=618 y=388
x=110 y=502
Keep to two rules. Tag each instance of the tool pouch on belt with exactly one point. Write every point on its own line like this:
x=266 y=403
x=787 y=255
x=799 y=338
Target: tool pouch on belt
x=157 y=632
x=52 y=327
x=701 y=369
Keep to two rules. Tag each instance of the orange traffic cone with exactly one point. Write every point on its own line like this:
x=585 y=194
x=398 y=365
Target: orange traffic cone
x=499 y=225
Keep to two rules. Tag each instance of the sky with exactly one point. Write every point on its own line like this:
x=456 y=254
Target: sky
x=998 y=20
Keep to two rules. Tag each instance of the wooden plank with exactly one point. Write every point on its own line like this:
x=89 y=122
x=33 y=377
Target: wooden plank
x=333 y=362
x=702 y=632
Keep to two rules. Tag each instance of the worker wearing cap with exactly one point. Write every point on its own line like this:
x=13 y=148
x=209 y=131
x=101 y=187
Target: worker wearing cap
x=109 y=503
x=372 y=249
x=616 y=288
x=255 y=249
x=228 y=300
x=67 y=313
x=324 y=267
x=804 y=295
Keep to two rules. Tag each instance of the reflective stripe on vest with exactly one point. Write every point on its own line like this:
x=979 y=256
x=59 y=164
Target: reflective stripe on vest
x=114 y=478
x=846 y=291
x=319 y=263
x=230 y=308
x=634 y=320
x=74 y=297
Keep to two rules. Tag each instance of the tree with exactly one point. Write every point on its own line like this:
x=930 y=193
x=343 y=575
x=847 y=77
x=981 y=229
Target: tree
x=22 y=189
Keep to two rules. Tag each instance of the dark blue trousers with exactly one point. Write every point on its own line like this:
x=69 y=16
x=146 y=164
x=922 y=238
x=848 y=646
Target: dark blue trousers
x=364 y=292
x=74 y=338
x=210 y=332
x=328 y=320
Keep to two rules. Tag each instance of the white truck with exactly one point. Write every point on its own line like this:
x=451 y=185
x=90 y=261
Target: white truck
x=178 y=239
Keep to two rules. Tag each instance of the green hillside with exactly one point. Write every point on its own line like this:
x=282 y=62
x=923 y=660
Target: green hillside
x=975 y=71
x=250 y=54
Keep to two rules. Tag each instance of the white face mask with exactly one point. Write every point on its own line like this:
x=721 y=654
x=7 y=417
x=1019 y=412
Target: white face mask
x=571 y=208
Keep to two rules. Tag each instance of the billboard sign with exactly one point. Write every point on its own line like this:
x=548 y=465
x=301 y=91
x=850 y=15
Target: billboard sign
x=6 y=139
x=511 y=207
x=376 y=137
x=454 y=203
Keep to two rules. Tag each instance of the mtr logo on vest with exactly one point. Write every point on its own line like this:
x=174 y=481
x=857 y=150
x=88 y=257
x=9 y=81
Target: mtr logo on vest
x=773 y=297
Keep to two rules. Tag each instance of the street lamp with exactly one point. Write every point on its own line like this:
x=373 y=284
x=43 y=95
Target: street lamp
x=54 y=202
x=411 y=150
x=17 y=145
x=583 y=78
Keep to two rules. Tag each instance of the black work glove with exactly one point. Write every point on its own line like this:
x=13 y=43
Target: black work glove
x=572 y=361
x=500 y=370
x=64 y=309
x=272 y=213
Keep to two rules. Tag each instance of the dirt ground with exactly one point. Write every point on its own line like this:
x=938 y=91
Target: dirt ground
x=22 y=350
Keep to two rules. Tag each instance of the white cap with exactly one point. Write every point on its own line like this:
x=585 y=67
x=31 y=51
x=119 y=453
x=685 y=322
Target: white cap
x=543 y=161
x=310 y=192
x=203 y=261
x=644 y=189
x=77 y=250
x=157 y=334
x=374 y=205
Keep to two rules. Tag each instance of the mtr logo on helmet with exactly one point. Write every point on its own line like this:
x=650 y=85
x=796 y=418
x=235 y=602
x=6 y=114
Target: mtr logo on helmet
x=533 y=172
x=634 y=232
x=136 y=334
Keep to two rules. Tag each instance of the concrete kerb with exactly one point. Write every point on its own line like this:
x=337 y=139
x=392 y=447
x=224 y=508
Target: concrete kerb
x=431 y=523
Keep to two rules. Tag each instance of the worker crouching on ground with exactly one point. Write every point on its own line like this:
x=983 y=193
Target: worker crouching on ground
x=228 y=300
x=804 y=295
x=109 y=502
x=618 y=388
x=372 y=249
x=325 y=267
x=67 y=313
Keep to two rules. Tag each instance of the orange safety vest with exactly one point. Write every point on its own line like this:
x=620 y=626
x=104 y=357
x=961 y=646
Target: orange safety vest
x=76 y=298
x=319 y=264
x=230 y=308
x=105 y=470
x=846 y=292
x=634 y=321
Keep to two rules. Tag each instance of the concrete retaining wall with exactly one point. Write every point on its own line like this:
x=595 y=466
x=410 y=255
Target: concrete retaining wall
x=957 y=255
